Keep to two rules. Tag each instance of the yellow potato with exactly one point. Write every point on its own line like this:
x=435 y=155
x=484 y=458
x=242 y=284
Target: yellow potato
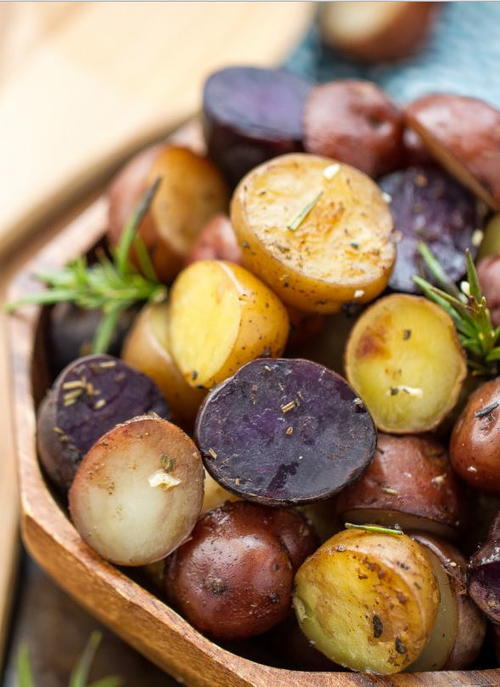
x=404 y=359
x=368 y=601
x=146 y=349
x=318 y=232
x=215 y=495
x=221 y=317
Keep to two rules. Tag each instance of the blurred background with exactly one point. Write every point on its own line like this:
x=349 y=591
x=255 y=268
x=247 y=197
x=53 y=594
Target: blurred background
x=83 y=85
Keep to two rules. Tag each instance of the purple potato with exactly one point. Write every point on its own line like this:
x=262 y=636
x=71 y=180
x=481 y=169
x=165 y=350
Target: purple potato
x=71 y=330
x=251 y=114
x=428 y=205
x=484 y=576
x=284 y=432
x=88 y=398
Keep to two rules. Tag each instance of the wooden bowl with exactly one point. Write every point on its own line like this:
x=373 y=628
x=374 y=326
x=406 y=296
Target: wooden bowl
x=134 y=613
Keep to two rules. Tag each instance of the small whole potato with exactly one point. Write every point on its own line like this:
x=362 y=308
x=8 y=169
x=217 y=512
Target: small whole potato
x=217 y=241
x=233 y=578
x=488 y=271
x=475 y=440
x=354 y=122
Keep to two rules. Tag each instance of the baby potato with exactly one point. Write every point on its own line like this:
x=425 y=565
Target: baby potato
x=221 y=317
x=317 y=231
x=367 y=600
x=490 y=245
x=404 y=359
x=488 y=271
x=146 y=349
x=216 y=241
x=191 y=192
x=215 y=495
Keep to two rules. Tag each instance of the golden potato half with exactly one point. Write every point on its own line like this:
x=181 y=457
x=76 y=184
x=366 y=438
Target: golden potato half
x=221 y=317
x=404 y=359
x=317 y=231
x=367 y=601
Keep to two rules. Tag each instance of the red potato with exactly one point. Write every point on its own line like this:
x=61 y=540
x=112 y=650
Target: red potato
x=484 y=577
x=354 y=122
x=475 y=440
x=138 y=491
x=414 y=150
x=488 y=272
x=460 y=628
x=376 y=31
x=463 y=134
x=190 y=193
x=233 y=578
x=408 y=483
x=216 y=241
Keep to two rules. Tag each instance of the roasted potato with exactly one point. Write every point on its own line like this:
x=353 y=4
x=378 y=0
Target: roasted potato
x=318 y=232
x=460 y=628
x=190 y=193
x=138 y=491
x=233 y=578
x=221 y=317
x=217 y=241
x=146 y=348
x=285 y=431
x=376 y=31
x=490 y=245
x=409 y=483
x=215 y=495
x=404 y=359
x=368 y=601
x=463 y=134
x=89 y=397
x=484 y=576
x=475 y=440
x=488 y=271
x=251 y=114
x=354 y=122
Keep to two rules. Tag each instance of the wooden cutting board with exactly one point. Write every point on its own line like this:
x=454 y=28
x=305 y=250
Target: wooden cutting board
x=83 y=85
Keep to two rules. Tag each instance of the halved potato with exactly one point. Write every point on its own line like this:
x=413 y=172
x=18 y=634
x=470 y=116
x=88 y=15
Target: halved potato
x=463 y=134
x=368 y=601
x=317 y=231
x=221 y=317
x=404 y=359
x=146 y=349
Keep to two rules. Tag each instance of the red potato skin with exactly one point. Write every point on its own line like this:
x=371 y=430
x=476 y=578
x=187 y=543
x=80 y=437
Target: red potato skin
x=354 y=122
x=468 y=129
x=475 y=440
x=408 y=474
x=233 y=578
x=488 y=271
x=217 y=241
x=414 y=151
x=401 y=37
x=484 y=573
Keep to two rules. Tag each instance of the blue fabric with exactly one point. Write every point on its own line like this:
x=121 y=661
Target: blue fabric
x=461 y=56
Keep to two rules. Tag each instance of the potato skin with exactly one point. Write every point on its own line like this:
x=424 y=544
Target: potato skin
x=319 y=265
x=408 y=474
x=146 y=349
x=488 y=271
x=354 y=122
x=367 y=600
x=484 y=575
x=403 y=32
x=233 y=578
x=475 y=439
x=217 y=241
x=464 y=135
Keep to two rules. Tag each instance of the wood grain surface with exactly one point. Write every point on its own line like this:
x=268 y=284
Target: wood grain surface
x=84 y=84
x=135 y=614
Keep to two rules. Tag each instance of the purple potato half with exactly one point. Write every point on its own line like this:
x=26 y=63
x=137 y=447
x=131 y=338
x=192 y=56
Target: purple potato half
x=284 y=431
x=251 y=114
x=484 y=573
x=428 y=205
x=88 y=398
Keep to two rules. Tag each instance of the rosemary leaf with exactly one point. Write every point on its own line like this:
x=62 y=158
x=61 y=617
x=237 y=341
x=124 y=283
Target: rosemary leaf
x=106 y=328
x=436 y=270
x=298 y=219
x=472 y=278
x=147 y=267
x=23 y=668
x=373 y=528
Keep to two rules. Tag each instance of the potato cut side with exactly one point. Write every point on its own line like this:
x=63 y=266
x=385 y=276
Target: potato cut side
x=138 y=491
x=221 y=317
x=317 y=231
x=367 y=601
x=404 y=359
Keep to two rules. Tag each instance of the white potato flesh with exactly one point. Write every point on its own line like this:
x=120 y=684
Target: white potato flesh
x=138 y=491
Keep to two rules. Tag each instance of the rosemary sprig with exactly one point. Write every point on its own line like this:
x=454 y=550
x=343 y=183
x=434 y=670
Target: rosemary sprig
x=469 y=311
x=109 y=285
